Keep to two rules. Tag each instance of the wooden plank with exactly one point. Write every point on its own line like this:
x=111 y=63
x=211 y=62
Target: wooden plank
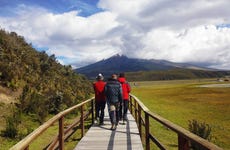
x=102 y=138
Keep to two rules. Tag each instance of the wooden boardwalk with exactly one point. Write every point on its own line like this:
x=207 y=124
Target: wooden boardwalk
x=125 y=137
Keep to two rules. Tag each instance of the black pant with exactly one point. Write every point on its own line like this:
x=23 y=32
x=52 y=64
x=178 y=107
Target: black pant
x=100 y=108
x=123 y=109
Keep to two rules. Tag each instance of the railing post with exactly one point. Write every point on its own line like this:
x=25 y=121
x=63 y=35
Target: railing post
x=61 y=133
x=82 y=121
x=183 y=143
x=147 y=142
x=92 y=109
x=131 y=105
x=139 y=120
x=135 y=109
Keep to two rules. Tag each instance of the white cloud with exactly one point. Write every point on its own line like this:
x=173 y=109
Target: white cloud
x=169 y=13
x=68 y=34
x=199 y=44
x=180 y=31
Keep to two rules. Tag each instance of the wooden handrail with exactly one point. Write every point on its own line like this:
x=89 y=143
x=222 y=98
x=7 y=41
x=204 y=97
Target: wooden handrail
x=24 y=143
x=184 y=136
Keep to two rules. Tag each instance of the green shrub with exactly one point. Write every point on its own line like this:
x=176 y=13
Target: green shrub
x=12 y=123
x=203 y=130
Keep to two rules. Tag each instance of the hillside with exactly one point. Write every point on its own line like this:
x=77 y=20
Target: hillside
x=37 y=78
x=142 y=69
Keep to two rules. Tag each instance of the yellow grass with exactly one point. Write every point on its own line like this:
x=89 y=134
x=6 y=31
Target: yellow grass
x=183 y=100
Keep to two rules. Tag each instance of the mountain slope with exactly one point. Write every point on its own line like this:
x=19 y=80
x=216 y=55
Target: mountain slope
x=40 y=78
x=117 y=64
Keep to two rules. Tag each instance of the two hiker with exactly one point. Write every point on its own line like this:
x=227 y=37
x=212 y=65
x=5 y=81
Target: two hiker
x=116 y=94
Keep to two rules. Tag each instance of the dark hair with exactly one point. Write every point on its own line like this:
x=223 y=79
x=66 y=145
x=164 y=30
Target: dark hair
x=122 y=74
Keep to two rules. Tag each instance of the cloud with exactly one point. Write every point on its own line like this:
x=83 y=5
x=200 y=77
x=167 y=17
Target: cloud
x=67 y=34
x=181 y=31
x=169 y=13
x=199 y=44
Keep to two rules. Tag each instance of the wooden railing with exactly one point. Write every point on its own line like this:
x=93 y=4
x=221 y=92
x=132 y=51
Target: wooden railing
x=142 y=116
x=58 y=141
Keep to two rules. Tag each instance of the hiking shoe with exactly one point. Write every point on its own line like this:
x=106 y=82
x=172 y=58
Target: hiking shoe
x=115 y=127
x=124 y=122
x=112 y=127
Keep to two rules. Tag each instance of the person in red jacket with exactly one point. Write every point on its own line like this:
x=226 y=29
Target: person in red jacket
x=100 y=100
x=126 y=89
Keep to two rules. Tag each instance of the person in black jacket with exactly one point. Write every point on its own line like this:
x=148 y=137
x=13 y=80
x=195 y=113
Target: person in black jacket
x=113 y=93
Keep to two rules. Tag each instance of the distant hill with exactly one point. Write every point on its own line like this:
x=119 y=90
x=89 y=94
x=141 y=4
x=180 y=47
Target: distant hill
x=121 y=63
x=173 y=74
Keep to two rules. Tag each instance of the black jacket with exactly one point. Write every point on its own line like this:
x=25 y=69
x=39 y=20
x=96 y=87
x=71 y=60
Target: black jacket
x=113 y=91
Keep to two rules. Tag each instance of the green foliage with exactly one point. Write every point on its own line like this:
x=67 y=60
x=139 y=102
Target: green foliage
x=11 y=128
x=46 y=85
x=12 y=122
x=201 y=129
x=57 y=103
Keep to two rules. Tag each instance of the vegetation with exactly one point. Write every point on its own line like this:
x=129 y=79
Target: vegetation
x=175 y=74
x=201 y=129
x=44 y=85
x=12 y=123
x=183 y=100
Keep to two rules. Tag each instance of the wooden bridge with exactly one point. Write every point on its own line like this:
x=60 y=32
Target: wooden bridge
x=126 y=137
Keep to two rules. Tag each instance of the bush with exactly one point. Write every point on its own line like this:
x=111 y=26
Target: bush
x=203 y=130
x=12 y=123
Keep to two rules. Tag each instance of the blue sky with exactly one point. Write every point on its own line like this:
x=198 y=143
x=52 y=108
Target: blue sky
x=80 y=32
x=87 y=7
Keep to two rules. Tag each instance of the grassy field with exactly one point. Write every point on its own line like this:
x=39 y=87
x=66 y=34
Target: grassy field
x=184 y=100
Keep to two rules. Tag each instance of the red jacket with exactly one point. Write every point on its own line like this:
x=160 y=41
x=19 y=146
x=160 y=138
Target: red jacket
x=126 y=89
x=99 y=90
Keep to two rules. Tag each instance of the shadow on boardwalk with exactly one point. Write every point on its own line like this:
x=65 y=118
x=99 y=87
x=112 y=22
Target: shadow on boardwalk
x=125 y=137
